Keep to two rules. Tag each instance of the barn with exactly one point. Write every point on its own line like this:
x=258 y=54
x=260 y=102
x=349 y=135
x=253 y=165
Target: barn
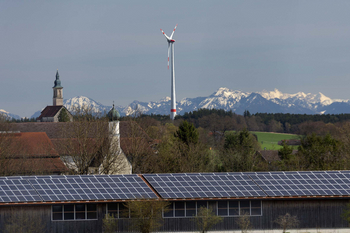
x=72 y=203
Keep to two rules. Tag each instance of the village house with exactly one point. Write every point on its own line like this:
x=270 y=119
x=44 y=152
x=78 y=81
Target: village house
x=29 y=153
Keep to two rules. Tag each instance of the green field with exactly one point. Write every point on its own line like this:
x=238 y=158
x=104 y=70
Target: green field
x=270 y=140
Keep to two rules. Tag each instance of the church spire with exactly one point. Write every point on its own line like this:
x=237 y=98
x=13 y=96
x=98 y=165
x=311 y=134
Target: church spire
x=57 y=81
x=57 y=91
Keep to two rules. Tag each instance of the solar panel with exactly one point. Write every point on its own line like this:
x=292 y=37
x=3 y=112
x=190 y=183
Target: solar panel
x=91 y=187
x=17 y=190
x=191 y=185
x=204 y=185
x=69 y=188
x=317 y=183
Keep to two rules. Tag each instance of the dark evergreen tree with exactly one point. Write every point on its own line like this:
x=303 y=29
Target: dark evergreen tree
x=63 y=116
x=240 y=151
x=187 y=133
x=286 y=151
x=321 y=153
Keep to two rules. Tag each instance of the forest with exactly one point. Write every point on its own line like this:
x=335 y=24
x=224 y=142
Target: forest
x=220 y=141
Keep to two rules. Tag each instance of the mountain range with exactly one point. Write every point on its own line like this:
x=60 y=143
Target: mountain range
x=9 y=115
x=224 y=98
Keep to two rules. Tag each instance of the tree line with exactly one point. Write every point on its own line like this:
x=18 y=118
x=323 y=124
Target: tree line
x=222 y=141
x=221 y=120
x=202 y=141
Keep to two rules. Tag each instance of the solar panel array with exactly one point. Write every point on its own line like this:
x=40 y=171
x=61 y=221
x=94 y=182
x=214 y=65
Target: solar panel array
x=69 y=188
x=204 y=185
x=316 y=183
x=17 y=190
x=191 y=185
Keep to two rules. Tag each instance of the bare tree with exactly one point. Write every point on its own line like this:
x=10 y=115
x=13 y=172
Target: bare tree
x=244 y=223
x=206 y=219
x=146 y=215
x=287 y=221
x=110 y=224
x=137 y=145
x=90 y=145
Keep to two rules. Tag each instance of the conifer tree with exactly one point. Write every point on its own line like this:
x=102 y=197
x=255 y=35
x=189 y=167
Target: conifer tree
x=286 y=151
x=187 y=133
x=63 y=116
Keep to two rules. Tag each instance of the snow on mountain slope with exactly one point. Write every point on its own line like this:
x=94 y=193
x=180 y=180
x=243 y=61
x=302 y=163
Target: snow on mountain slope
x=224 y=98
x=308 y=98
x=9 y=115
x=79 y=102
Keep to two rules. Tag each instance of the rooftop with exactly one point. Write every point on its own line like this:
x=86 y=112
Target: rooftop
x=49 y=111
x=182 y=186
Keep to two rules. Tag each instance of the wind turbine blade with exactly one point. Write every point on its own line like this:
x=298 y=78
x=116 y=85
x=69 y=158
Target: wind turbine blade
x=166 y=36
x=173 y=32
x=168 y=53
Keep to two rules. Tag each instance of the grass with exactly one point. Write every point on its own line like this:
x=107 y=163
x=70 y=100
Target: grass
x=270 y=140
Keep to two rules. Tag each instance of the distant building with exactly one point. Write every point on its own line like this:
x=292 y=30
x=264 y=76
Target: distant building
x=28 y=154
x=269 y=155
x=290 y=142
x=272 y=155
x=51 y=113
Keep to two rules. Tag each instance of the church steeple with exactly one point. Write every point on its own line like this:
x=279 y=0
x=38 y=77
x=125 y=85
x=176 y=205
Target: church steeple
x=57 y=91
x=113 y=114
x=57 y=81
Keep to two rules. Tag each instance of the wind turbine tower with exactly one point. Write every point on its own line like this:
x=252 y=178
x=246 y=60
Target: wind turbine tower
x=171 y=42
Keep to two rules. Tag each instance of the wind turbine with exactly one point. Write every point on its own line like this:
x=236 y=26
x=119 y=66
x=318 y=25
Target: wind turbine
x=171 y=42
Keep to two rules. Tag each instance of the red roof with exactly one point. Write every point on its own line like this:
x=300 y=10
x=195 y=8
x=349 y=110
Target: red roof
x=131 y=146
x=32 y=153
x=33 y=144
x=31 y=166
x=128 y=129
x=74 y=145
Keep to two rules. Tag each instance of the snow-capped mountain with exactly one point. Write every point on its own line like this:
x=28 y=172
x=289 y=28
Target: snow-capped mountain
x=224 y=98
x=9 y=115
x=300 y=99
x=81 y=102
x=310 y=98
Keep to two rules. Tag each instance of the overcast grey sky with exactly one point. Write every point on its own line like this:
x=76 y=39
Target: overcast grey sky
x=114 y=50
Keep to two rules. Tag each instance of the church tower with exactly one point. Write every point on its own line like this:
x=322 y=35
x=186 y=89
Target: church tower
x=57 y=92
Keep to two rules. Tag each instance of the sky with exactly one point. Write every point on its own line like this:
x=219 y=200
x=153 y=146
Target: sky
x=114 y=51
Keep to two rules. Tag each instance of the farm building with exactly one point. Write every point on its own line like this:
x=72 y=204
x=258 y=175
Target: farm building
x=79 y=203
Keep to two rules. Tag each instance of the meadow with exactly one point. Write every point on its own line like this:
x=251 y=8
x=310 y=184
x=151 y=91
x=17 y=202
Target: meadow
x=270 y=140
